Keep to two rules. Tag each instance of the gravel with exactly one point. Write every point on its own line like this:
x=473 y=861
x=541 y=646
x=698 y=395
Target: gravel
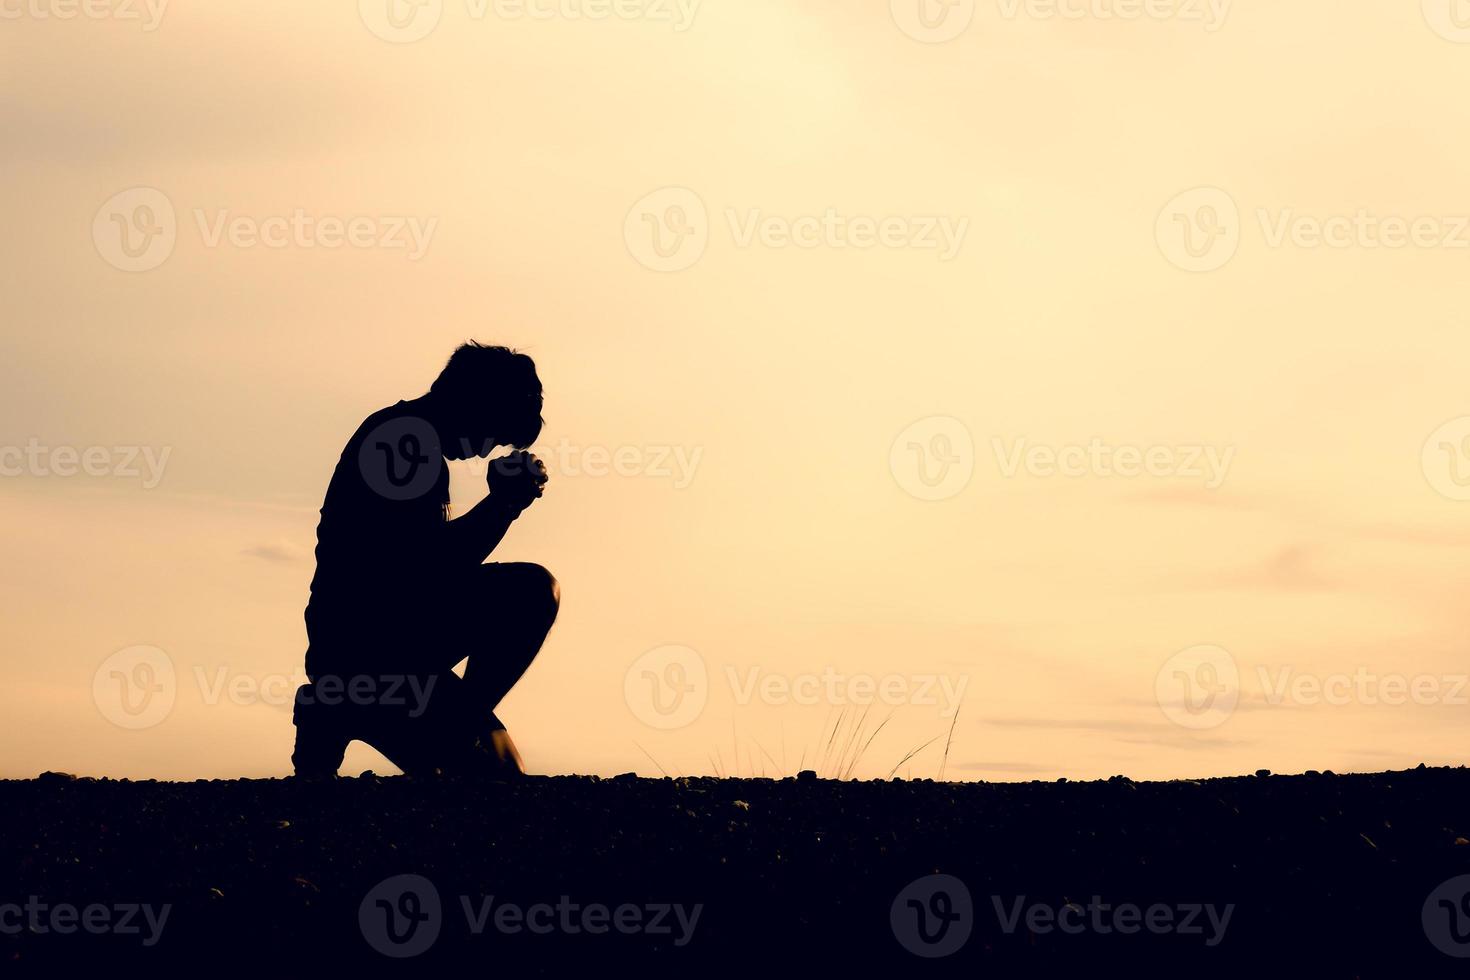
x=1319 y=874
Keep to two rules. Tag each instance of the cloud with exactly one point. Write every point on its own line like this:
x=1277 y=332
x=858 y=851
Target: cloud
x=1288 y=569
x=1300 y=516
x=279 y=551
x=1159 y=733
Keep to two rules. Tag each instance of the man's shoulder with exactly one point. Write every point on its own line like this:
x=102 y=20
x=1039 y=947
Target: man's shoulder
x=395 y=454
x=397 y=425
x=383 y=416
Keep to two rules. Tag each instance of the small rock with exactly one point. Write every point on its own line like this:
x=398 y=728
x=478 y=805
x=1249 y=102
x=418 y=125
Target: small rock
x=807 y=776
x=1263 y=773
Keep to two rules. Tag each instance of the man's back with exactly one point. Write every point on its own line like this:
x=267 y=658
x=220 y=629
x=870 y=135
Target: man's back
x=388 y=496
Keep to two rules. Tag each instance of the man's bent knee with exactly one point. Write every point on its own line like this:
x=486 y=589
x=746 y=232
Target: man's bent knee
x=536 y=590
x=545 y=591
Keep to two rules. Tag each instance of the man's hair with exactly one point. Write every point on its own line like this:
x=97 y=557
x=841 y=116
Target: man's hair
x=478 y=372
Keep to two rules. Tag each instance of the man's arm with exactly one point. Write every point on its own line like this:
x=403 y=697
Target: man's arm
x=515 y=481
x=470 y=539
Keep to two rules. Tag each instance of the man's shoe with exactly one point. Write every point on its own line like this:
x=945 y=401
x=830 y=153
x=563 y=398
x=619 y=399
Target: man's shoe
x=494 y=755
x=320 y=743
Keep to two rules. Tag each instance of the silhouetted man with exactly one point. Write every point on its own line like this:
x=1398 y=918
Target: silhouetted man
x=401 y=592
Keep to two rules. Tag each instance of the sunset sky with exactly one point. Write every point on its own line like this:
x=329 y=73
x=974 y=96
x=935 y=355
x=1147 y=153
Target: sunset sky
x=960 y=349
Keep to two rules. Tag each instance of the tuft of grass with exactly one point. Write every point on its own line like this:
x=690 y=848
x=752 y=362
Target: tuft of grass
x=652 y=760
x=840 y=747
x=948 y=740
x=911 y=754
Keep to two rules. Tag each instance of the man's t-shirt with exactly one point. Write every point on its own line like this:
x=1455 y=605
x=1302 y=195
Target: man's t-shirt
x=377 y=561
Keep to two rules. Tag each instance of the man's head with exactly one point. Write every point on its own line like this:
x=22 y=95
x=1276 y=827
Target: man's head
x=486 y=397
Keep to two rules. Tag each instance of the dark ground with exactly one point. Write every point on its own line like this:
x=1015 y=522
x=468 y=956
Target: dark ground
x=1328 y=875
